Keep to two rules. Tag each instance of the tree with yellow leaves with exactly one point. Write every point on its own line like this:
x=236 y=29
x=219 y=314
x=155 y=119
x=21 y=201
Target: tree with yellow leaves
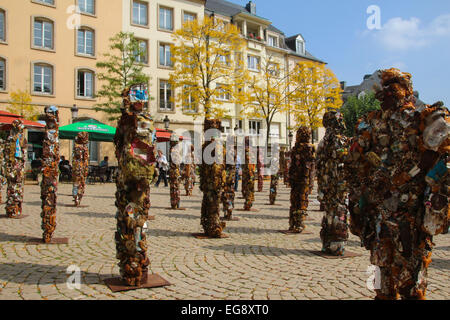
x=208 y=72
x=20 y=104
x=316 y=90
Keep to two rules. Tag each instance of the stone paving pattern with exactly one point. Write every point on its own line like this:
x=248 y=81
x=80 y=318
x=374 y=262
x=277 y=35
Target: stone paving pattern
x=255 y=262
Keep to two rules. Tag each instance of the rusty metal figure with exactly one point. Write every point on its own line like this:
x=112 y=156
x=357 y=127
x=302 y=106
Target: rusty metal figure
x=80 y=166
x=302 y=157
x=136 y=161
x=15 y=155
x=401 y=153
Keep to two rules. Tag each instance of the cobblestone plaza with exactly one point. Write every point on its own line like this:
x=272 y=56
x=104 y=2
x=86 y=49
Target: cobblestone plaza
x=255 y=262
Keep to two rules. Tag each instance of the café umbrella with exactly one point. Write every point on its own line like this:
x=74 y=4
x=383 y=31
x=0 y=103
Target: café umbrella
x=97 y=131
x=101 y=132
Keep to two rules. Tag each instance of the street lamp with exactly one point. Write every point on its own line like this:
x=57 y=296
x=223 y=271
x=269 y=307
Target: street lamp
x=166 y=122
x=74 y=110
x=291 y=137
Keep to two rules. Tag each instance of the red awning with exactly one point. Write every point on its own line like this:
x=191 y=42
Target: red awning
x=6 y=119
x=164 y=135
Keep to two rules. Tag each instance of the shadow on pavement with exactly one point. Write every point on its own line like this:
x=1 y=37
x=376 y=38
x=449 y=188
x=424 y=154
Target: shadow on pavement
x=44 y=274
x=92 y=214
x=4 y=237
x=259 y=250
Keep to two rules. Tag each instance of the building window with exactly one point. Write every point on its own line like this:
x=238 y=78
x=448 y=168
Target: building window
x=165 y=58
x=165 y=18
x=275 y=130
x=273 y=41
x=226 y=125
x=165 y=95
x=142 y=54
x=43 y=33
x=273 y=69
x=222 y=93
x=50 y=2
x=189 y=103
x=43 y=79
x=187 y=16
x=253 y=63
x=2 y=74
x=93 y=147
x=85 y=42
x=140 y=13
x=224 y=59
x=300 y=45
x=87 y=6
x=85 y=84
x=254 y=127
x=2 y=25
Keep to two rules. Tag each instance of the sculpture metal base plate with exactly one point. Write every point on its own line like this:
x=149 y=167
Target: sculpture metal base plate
x=289 y=232
x=22 y=216
x=175 y=208
x=275 y=204
x=38 y=241
x=347 y=254
x=232 y=219
x=74 y=206
x=204 y=236
x=251 y=210
x=153 y=281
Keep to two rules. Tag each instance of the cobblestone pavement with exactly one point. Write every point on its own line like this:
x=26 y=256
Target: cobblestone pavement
x=255 y=262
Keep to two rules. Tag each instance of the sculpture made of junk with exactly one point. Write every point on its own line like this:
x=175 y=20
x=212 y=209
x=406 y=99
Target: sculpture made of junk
x=136 y=161
x=398 y=172
x=332 y=193
x=50 y=169
x=15 y=155
x=2 y=168
x=228 y=193
x=174 y=171
x=274 y=178
x=301 y=158
x=212 y=180
x=80 y=166
x=260 y=169
x=248 y=176
x=189 y=172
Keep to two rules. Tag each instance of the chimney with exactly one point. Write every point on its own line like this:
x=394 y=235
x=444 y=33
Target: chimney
x=343 y=85
x=251 y=7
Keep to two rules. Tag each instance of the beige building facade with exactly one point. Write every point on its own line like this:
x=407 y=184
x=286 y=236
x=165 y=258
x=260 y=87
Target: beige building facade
x=50 y=48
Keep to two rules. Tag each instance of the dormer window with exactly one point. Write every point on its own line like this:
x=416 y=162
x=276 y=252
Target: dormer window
x=272 y=41
x=300 y=46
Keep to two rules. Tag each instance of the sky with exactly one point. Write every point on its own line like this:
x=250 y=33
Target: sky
x=412 y=35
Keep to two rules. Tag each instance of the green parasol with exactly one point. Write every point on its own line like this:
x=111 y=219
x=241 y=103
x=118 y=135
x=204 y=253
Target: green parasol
x=97 y=131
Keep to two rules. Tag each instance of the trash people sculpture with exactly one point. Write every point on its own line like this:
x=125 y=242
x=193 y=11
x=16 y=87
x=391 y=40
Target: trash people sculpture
x=228 y=193
x=15 y=155
x=2 y=167
x=332 y=187
x=301 y=158
x=401 y=154
x=174 y=172
x=136 y=161
x=274 y=178
x=212 y=179
x=248 y=176
x=49 y=184
x=189 y=172
x=80 y=166
x=260 y=167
